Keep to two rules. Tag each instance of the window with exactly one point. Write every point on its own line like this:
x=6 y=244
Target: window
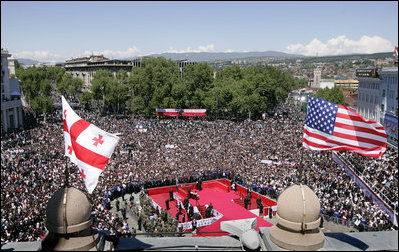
x=383 y=93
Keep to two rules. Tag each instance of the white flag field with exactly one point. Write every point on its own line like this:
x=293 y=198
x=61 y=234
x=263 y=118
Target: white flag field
x=87 y=146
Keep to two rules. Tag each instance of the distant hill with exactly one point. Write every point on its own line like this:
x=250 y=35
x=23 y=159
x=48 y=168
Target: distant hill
x=27 y=62
x=221 y=56
x=348 y=57
x=213 y=56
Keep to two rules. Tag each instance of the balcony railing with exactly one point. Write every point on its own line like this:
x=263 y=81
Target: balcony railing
x=7 y=104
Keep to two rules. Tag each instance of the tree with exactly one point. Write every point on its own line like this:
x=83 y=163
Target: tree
x=55 y=74
x=217 y=100
x=152 y=84
x=197 y=80
x=233 y=72
x=31 y=79
x=86 y=97
x=43 y=105
x=116 y=96
x=70 y=87
x=100 y=86
x=334 y=95
x=36 y=88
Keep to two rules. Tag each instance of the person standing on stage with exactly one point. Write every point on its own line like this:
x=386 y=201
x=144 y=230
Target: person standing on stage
x=194 y=224
x=117 y=205
x=258 y=202
x=185 y=202
x=180 y=208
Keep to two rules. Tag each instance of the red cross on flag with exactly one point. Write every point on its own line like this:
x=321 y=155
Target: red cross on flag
x=87 y=146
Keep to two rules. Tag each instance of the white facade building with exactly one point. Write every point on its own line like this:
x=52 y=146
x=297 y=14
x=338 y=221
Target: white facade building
x=368 y=98
x=378 y=94
x=11 y=105
x=389 y=90
x=327 y=83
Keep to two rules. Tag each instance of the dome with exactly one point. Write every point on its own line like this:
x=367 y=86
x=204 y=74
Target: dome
x=298 y=220
x=73 y=206
x=293 y=204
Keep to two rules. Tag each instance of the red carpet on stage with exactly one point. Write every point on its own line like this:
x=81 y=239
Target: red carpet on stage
x=216 y=192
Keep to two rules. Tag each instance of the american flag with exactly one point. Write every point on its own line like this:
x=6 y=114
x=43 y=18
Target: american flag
x=329 y=126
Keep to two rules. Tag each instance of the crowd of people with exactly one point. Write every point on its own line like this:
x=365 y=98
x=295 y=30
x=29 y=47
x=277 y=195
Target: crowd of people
x=158 y=152
x=381 y=175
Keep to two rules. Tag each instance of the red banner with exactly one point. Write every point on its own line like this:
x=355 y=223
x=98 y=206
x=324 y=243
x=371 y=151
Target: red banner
x=180 y=112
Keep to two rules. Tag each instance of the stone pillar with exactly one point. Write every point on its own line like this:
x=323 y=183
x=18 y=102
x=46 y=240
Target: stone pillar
x=5 y=120
x=21 y=117
x=16 y=124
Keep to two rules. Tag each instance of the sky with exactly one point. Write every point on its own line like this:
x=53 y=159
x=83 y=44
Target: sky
x=56 y=31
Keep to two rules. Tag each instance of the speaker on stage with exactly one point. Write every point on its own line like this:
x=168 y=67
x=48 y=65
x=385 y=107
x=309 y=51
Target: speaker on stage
x=270 y=213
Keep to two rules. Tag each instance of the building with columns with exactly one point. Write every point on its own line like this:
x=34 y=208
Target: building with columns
x=377 y=93
x=84 y=68
x=389 y=90
x=11 y=105
x=369 y=89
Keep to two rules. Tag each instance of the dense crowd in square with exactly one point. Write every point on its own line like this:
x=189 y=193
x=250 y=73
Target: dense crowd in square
x=184 y=150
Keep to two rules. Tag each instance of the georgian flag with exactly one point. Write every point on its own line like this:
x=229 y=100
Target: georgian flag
x=87 y=146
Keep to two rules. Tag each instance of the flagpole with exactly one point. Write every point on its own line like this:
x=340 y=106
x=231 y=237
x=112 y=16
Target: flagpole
x=300 y=170
x=66 y=172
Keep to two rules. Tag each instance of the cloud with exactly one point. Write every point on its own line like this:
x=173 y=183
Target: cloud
x=42 y=56
x=208 y=48
x=341 y=45
x=129 y=53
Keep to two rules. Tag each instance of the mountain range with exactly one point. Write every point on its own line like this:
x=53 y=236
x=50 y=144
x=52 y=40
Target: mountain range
x=28 y=62
x=220 y=56
x=213 y=56
x=194 y=56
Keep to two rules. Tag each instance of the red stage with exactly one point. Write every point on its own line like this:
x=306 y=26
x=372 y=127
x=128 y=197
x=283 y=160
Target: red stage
x=218 y=192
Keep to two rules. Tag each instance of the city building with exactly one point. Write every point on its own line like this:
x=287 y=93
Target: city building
x=85 y=67
x=346 y=82
x=389 y=90
x=326 y=83
x=389 y=103
x=11 y=105
x=378 y=93
x=182 y=64
x=369 y=91
x=316 y=78
x=318 y=82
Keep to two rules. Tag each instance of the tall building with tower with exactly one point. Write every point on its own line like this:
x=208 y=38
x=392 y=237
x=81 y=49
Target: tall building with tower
x=316 y=78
